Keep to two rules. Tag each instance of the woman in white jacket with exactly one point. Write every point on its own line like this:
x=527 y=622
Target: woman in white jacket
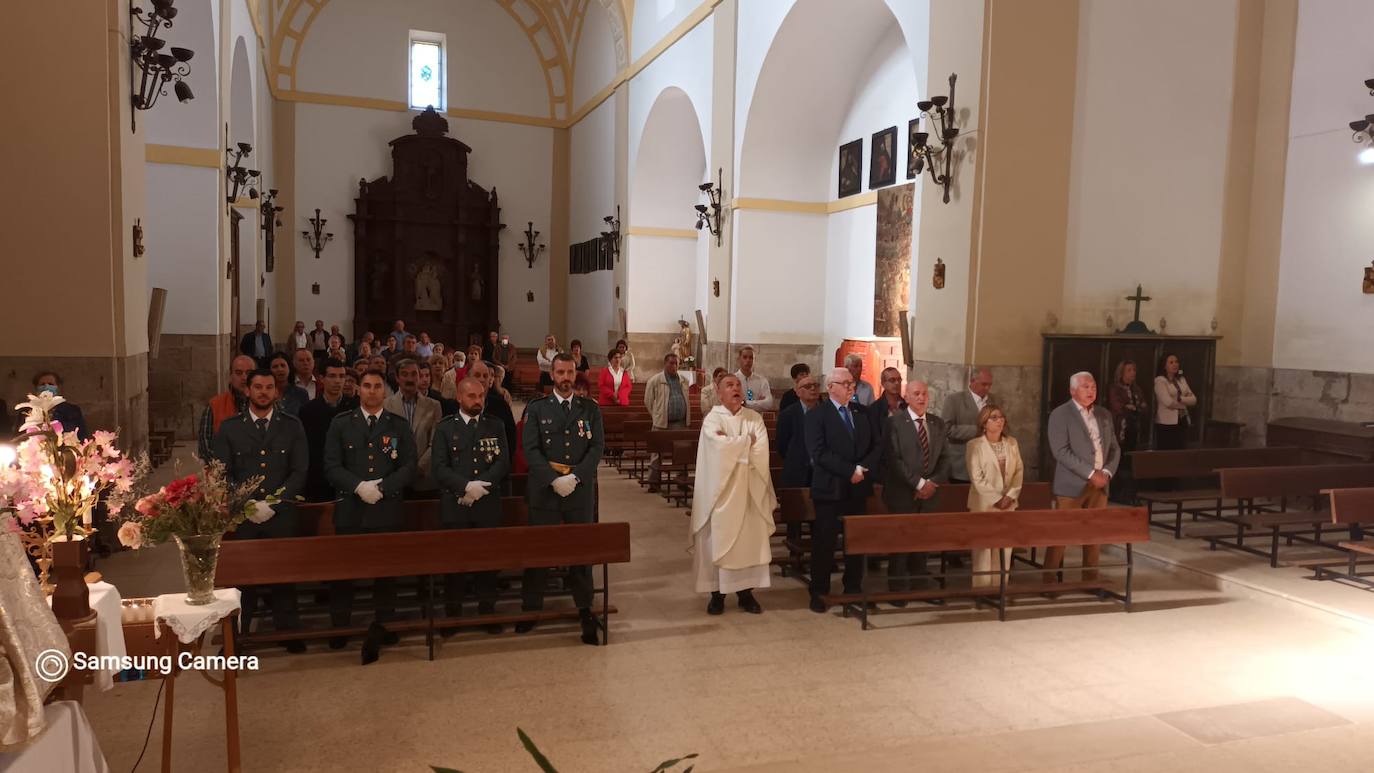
x=995 y=473
x=1173 y=398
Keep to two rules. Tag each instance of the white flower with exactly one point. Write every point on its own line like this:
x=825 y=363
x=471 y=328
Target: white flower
x=39 y=409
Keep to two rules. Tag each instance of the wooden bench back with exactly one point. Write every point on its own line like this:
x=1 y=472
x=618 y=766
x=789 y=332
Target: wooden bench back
x=1204 y=462
x=1352 y=505
x=875 y=534
x=320 y=559
x=317 y=519
x=661 y=440
x=1304 y=480
x=953 y=498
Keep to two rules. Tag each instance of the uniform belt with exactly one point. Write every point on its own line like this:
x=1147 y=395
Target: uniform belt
x=559 y=467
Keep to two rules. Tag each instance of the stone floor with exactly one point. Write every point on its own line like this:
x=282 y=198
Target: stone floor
x=1213 y=671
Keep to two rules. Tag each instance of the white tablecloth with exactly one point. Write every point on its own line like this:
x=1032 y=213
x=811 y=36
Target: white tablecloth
x=189 y=621
x=109 y=628
x=67 y=745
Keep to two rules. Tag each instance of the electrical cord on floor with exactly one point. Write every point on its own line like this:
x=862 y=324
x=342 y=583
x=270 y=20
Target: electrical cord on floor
x=151 y=721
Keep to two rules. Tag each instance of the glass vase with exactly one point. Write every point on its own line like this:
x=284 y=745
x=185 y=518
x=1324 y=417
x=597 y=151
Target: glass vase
x=199 y=555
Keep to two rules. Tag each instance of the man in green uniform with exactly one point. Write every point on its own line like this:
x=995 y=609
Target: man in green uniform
x=369 y=459
x=563 y=442
x=469 y=460
x=270 y=443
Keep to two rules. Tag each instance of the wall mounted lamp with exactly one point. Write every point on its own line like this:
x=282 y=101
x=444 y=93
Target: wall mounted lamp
x=939 y=111
x=1364 y=130
x=269 y=209
x=238 y=176
x=611 y=238
x=153 y=68
x=528 y=247
x=709 y=215
x=317 y=237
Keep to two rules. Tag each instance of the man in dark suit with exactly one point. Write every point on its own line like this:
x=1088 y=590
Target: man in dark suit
x=470 y=460
x=316 y=417
x=263 y=441
x=563 y=443
x=796 y=462
x=917 y=462
x=843 y=450
x=369 y=459
x=257 y=344
x=496 y=405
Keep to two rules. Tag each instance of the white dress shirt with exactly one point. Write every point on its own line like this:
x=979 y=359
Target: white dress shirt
x=1094 y=432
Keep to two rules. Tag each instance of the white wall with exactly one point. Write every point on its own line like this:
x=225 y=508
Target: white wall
x=194 y=123
x=1151 y=131
x=183 y=245
x=591 y=297
x=358 y=48
x=594 y=58
x=779 y=277
x=653 y=19
x=1323 y=317
x=684 y=67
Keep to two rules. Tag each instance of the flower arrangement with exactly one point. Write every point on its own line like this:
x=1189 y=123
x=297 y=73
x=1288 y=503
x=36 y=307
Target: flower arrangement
x=202 y=503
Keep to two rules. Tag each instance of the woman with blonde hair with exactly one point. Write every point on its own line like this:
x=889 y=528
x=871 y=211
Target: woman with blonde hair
x=995 y=475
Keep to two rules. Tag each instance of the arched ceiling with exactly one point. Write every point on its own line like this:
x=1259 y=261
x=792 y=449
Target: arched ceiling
x=554 y=28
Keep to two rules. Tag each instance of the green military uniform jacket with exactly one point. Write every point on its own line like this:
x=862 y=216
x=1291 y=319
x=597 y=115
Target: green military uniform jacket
x=352 y=455
x=462 y=453
x=280 y=455
x=570 y=437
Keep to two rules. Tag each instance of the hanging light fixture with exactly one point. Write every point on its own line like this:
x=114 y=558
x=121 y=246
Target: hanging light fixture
x=940 y=113
x=317 y=237
x=611 y=238
x=708 y=215
x=152 y=70
x=238 y=176
x=530 y=247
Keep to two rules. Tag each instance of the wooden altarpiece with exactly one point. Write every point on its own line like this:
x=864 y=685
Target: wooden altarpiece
x=425 y=242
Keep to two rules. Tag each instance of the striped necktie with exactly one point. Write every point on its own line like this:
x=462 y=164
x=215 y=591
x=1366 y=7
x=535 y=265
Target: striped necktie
x=925 y=442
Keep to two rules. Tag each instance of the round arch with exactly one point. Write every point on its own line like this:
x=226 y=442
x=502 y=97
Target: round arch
x=242 y=126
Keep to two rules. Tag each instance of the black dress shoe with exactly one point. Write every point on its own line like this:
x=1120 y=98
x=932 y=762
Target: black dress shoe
x=448 y=631
x=716 y=606
x=372 y=643
x=490 y=609
x=589 y=628
x=525 y=626
x=899 y=603
x=338 y=642
x=748 y=603
x=817 y=605
x=295 y=646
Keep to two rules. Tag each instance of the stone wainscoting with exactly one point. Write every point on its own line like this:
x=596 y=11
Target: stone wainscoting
x=112 y=391
x=1015 y=388
x=1255 y=396
x=187 y=372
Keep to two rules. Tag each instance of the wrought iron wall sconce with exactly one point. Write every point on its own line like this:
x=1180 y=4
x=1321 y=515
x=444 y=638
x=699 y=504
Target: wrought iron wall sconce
x=153 y=68
x=612 y=237
x=138 y=238
x=269 y=209
x=529 y=296
x=528 y=247
x=1364 y=130
x=238 y=176
x=315 y=288
x=940 y=112
x=715 y=287
x=317 y=237
x=709 y=215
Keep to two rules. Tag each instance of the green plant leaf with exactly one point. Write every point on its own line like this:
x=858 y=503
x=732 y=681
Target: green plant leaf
x=666 y=764
x=538 y=756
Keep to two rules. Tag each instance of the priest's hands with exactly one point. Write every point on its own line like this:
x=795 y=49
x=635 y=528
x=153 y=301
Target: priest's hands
x=565 y=484
x=370 y=491
x=262 y=512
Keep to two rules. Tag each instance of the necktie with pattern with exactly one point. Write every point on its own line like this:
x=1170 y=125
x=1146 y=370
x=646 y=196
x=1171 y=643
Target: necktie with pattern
x=925 y=442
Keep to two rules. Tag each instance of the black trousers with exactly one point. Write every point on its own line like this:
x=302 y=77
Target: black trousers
x=579 y=577
x=824 y=534
x=341 y=591
x=908 y=571
x=1170 y=437
x=483 y=583
x=282 y=598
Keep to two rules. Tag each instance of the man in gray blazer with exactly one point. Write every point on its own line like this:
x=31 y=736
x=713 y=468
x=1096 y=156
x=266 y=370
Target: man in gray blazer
x=917 y=463
x=1085 y=455
x=961 y=414
x=422 y=413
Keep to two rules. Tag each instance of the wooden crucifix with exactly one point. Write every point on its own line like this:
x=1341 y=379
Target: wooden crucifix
x=1136 y=326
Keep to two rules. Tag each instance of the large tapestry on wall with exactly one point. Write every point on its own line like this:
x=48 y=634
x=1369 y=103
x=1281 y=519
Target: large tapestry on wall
x=892 y=285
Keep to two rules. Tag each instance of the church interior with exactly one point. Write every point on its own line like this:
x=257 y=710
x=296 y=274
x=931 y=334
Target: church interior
x=998 y=203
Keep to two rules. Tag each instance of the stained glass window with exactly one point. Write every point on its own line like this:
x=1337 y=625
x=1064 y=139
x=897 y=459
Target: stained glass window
x=426 y=72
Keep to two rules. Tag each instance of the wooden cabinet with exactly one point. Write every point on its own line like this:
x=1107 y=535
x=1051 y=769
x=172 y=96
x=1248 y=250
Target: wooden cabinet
x=1065 y=355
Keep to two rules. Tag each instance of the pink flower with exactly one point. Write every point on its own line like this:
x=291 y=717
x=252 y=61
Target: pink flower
x=103 y=438
x=114 y=508
x=146 y=506
x=131 y=535
x=56 y=427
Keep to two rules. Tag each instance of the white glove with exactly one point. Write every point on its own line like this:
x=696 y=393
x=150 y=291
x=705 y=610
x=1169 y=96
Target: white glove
x=475 y=490
x=369 y=491
x=565 y=484
x=262 y=512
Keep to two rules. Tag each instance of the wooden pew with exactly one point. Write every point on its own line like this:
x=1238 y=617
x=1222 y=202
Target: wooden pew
x=1200 y=466
x=317 y=519
x=1001 y=531
x=432 y=553
x=1351 y=508
x=1275 y=487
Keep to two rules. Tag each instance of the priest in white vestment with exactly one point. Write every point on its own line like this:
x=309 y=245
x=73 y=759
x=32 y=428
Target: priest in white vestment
x=733 y=502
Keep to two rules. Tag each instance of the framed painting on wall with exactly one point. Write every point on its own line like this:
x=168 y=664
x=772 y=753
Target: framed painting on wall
x=882 y=165
x=851 y=168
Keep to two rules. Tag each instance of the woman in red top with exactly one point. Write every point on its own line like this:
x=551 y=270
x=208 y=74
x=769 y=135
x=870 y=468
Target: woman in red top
x=614 y=386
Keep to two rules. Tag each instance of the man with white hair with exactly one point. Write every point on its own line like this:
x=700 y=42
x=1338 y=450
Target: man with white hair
x=1085 y=455
x=863 y=391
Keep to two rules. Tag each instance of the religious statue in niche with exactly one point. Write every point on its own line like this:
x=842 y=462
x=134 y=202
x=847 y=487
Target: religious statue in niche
x=684 y=335
x=939 y=279
x=376 y=281
x=429 y=292
x=475 y=282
